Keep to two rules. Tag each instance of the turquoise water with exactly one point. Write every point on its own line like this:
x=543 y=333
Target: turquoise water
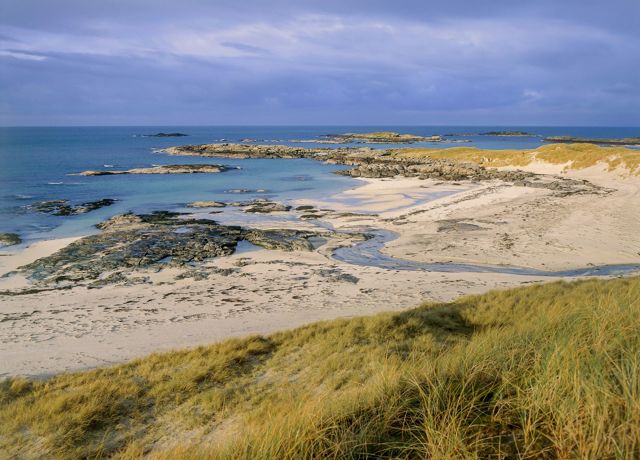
x=368 y=253
x=35 y=163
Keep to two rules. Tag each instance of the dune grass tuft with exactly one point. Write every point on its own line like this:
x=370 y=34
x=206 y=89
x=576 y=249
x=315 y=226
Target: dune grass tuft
x=574 y=156
x=546 y=371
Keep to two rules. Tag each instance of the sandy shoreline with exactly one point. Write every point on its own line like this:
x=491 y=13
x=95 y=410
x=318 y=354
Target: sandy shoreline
x=263 y=291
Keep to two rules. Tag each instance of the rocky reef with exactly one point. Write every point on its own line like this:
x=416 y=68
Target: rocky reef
x=586 y=140
x=166 y=169
x=449 y=170
x=132 y=242
x=9 y=239
x=377 y=163
x=226 y=150
x=63 y=208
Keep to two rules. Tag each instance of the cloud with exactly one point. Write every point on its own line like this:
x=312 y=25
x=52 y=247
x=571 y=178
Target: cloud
x=21 y=55
x=357 y=62
x=245 y=48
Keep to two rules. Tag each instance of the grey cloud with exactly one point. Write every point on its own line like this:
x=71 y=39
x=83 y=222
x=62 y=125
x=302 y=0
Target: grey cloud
x=244 y=47
x=325 y=62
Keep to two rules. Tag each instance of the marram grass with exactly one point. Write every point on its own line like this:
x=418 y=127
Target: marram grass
x=572 y=156
x=547 y=371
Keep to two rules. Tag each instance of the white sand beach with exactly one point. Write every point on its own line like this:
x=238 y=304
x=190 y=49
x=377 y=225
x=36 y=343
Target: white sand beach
x=44 y=331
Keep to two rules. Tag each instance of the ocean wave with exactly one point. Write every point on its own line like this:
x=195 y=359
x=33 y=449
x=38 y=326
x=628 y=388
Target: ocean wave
x=65 y=183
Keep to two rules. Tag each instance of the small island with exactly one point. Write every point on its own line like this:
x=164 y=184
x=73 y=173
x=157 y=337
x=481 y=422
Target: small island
x=166 y=169
x=508 y=134
x=494 y=133
x=381 y=137
x=165 y=135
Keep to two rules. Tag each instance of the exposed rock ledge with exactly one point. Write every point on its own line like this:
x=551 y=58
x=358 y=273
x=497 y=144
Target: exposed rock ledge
x=572 y=139
x=381 y=137
x=63 y=208
x=168 y=169
x=133 y=242
x=377 y=163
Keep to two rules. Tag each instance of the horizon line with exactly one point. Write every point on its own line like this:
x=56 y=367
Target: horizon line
x=316 y=125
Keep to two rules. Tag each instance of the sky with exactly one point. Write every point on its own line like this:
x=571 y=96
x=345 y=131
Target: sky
x=330 y=62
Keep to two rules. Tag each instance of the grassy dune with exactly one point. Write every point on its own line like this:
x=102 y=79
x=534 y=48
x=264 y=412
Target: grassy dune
x=547 y=371
x=576 y=156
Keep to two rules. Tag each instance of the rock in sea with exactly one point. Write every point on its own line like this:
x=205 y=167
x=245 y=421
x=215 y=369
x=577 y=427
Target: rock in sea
x=9 y=239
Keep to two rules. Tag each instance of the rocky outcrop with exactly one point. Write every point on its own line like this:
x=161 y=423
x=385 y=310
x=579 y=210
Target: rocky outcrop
x=9 y=239
x=449 y=170
x=167 y=169
x=284 y=240
x=377 y=163
x=133 y=242
x=63 y=208
x=263 y=206
x=382 y=137
x=206 y=204
x=508 y=134
x=243 y=151
x=572 y=139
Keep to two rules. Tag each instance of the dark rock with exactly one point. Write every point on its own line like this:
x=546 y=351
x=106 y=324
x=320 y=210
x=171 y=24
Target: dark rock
x=9 y=239
x=265 y=207
x=508 y=134
x=206 y=204
x=63 y=208
x=165 y=135
x=130 y=242
x=285 y=240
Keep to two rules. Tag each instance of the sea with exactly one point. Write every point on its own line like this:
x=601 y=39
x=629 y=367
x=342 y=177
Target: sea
x=37 y=163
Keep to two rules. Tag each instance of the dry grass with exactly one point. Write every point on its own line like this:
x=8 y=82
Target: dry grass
x=548 y=371
x=575 y=156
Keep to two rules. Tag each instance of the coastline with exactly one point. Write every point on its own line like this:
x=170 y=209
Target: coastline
x=258 y=291
x=253 y=292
